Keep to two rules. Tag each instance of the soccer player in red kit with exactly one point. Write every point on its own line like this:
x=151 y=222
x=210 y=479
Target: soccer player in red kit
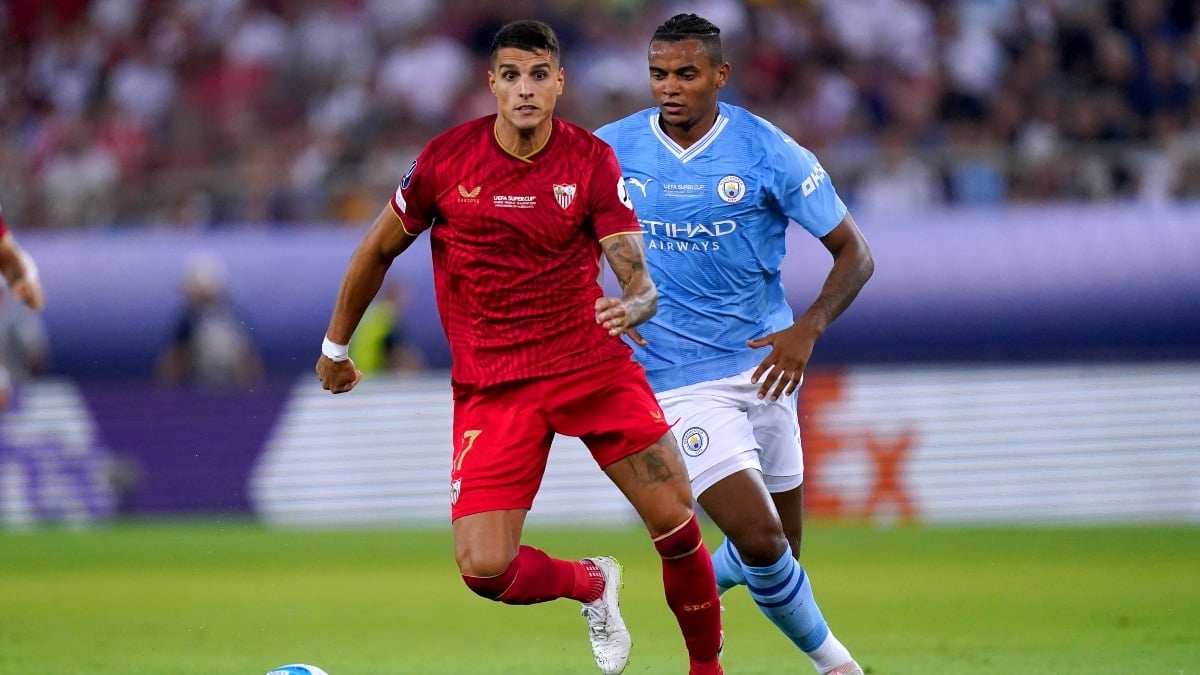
x=18 y=269
x=21 y=275
x=520 y=206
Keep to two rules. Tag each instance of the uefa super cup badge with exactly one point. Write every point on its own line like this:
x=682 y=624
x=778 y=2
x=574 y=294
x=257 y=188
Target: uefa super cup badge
x=731 y=189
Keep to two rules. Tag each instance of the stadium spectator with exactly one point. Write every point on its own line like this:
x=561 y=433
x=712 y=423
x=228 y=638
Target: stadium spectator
x=424 y=72
x=209 y=344
x=379 y=344
x=142 y=84
x=80 y=178
x=900 y=180
x=728 y=381
x=520 y=205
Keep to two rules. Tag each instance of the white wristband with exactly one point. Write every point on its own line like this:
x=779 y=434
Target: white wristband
x=335 y=352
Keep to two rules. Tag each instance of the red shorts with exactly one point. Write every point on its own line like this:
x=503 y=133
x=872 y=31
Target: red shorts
x=502 y=434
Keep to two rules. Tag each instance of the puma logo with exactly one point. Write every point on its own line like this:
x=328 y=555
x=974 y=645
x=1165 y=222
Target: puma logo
x=639 y=184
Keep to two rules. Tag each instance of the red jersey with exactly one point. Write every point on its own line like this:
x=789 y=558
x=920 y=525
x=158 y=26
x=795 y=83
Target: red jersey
x=3 y=225
x=516 y=248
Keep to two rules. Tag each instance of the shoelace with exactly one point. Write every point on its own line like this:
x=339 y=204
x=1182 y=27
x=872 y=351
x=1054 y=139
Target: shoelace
x=597 y=617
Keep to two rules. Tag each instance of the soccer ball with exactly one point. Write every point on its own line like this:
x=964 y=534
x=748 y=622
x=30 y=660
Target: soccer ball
x=297 y=669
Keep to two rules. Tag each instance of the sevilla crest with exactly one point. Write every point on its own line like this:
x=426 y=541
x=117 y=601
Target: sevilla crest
x=564 y=195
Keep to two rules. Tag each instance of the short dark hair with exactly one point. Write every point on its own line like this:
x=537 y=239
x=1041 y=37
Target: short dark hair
x=528 y=36
x=692 y=27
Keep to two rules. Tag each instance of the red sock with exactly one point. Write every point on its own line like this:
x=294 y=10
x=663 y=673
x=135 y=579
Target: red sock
x=691 y=592
x=535 y=577
x=706 y=668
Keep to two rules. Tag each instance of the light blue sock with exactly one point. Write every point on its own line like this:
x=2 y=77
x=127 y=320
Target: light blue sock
x=728 y=567
x=784 y=595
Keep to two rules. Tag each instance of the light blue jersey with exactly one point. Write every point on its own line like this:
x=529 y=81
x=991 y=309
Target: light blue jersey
x=714 y=218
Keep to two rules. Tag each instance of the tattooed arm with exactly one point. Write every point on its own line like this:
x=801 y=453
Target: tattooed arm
x=791 y=348
x=626 y=255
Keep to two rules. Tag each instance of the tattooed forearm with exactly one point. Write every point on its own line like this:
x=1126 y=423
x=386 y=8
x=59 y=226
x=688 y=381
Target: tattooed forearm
x=624 y=261
x=846 y=278
x=626 y=255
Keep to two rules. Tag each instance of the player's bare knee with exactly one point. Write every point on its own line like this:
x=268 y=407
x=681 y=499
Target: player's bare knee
x=679 y=498
x=482 y=563
x=759 y=546
x=667 y=510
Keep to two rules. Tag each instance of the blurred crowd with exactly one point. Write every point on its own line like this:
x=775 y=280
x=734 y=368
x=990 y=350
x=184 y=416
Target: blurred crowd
x=210 y=113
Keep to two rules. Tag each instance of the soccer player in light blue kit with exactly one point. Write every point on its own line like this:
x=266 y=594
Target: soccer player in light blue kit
x=715 y=188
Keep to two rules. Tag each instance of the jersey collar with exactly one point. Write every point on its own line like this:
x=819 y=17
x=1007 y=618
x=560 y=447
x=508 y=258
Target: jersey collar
x=696 y=148
x=528 y=159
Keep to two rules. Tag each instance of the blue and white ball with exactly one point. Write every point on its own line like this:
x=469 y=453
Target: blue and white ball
x=297 y=669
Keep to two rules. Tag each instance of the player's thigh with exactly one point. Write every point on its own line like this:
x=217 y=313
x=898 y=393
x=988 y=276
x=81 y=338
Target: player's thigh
x=613 y=411
x=655 y=482
x=776 y=430
x=610 y=407
x=713 y=432
x=501 y=445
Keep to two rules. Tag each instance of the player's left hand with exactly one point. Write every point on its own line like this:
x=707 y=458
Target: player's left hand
x=613 y=315
x=633 y=334
x=783 y=369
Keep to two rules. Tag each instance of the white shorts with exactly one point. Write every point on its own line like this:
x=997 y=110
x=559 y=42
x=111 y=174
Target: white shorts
x=722 y=428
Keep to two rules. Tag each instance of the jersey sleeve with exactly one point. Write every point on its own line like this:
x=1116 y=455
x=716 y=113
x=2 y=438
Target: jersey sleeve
x=803 y=189
x=415 y=199
x=607 y=133
x=3 y=225
x=611 y=209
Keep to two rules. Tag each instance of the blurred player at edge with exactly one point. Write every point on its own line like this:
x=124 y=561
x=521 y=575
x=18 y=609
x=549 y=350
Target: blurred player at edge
x=715 y=188
x=520 y=206
x=21 y=275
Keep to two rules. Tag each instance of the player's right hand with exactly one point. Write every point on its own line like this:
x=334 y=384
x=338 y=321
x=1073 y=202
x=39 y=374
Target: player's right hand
x=337 y=377
x=783 y=368
x=612 y=314
x=29 y=292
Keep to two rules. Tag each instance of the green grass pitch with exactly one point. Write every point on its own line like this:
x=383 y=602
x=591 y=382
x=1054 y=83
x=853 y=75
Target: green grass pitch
x=236 y=599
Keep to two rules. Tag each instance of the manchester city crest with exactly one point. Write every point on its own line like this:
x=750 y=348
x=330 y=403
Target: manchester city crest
x=695 y=441
x=731 y=189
